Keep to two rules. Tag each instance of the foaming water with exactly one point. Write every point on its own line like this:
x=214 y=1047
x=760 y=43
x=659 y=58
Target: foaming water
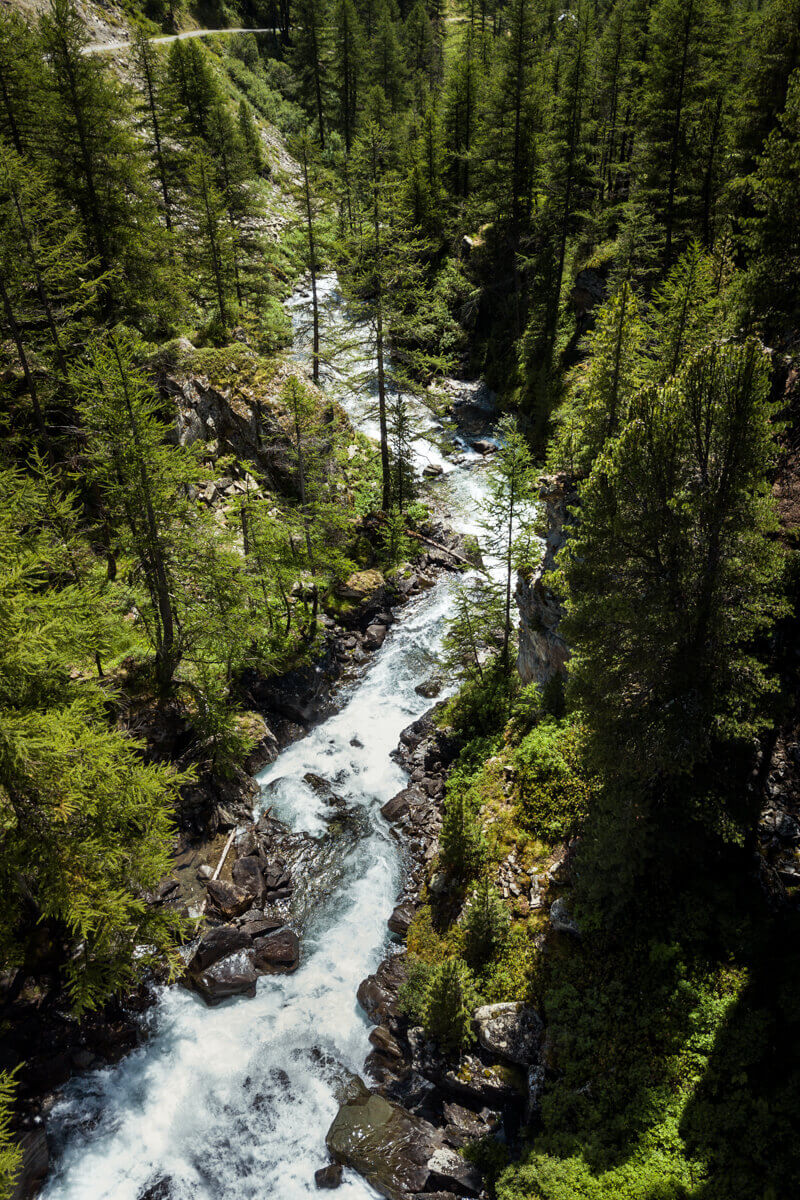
x=235 y=1101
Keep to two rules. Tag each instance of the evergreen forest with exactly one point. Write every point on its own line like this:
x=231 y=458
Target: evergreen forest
x=587 y=211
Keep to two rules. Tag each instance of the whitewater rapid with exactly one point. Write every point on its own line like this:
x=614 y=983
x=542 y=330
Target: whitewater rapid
x=234 y=1102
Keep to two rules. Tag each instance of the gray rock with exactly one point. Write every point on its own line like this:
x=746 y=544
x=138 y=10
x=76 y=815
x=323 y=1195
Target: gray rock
x=375 y=637
x=247 y=874
x=227 y=899
x=329 y=1177
x=217 y=944
x=377 y=994
x=388 y=1146
x=430 y=688
x=277 y=953
x=232 y=976
x=401 y=918
x=562 y=920
x=34 y=1166
x=511 y=1031
x=449 y=1170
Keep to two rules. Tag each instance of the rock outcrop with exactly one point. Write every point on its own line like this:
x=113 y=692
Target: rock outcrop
x=543 y=653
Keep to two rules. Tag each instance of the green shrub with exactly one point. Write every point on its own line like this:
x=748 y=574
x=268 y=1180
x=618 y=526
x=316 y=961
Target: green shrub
x=450 y=999
x=463 y=847
x=485 y=924
x=553 y=788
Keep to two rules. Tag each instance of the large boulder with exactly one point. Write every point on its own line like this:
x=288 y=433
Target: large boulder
x=562 y=919
x=231 y=976
x=511 y=1031
x=377 y=994
x=227 y=899
x=384 y=1143
x=216 y=944
x=473 y=1078
x=277 y=953
x=247 y=874
x=451 y=1172
x=363 y=594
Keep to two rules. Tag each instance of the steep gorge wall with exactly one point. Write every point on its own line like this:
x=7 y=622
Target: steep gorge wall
x=543 y=653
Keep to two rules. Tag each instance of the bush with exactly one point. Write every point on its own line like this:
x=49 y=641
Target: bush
x=485 y=923
x=553 y=787
x=463 y=847
x=450 y=1000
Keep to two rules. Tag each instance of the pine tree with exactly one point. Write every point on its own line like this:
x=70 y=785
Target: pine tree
x=505 y=517
x=150 y=82
x=675 y=534
x=192 y=88
x=349 y=66
x=86 y=821
x=213 y=255
x=310 y=60
x=474 y=629
x=250 y=138
x=686 y=311
x=388 y=62
x=461 y=112
x=485 y=924
x=463 y=847
x=97 y=159
x=772 y=286
x=602 y=393
x=140 y=478
x=449 y=1002
x=21 y=83
x=46 y=285
x=678 y=82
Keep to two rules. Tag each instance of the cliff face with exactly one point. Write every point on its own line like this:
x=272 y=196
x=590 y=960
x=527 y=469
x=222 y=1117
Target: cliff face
x=543 y=653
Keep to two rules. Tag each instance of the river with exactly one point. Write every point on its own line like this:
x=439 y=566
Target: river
x=233 y=1103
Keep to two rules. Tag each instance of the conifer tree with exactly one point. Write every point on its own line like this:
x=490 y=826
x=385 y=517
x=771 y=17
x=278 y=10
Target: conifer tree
x=139 y=477
x=250 y=138
x=310 y=59
x=675 y=534
x=388 y=61
x=485 y=923
x=349 y=56
x=86 y=821
x=150 y=82
x=214 y=253
x=686 y=311
x=682 y=39
x=98 y=162
x=504 y=512
x=449 y=1002
x=602 y=393
x=772 y=286
x=46 y=285
x=21 y=83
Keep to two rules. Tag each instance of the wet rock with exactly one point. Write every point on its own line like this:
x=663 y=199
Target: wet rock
x=390 y=1147
x=227 y=899
x=375 y=637
x=377 y=994
x=400 y=804
x=511 y=1031
x=34 y=1166
x=329 y=1177
x=216 y=944
x=430 y=688
x=449 y=1170
x=432 y=470
x=231 y=976
x=160 y=1190
x=484 y=446
x=277 y=952
x=384 y=1043
x=247 y=875
x=562 y=920
x=401 y=918
x=256 y=924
